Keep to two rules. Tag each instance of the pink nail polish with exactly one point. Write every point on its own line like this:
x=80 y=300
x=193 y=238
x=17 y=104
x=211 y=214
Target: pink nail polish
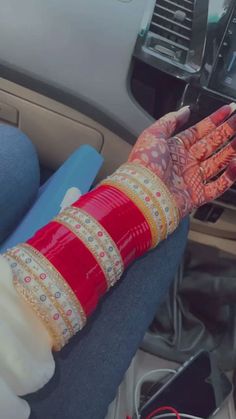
x=183 y=115
x=183 y=110
x=232 y=122
x=232 y=107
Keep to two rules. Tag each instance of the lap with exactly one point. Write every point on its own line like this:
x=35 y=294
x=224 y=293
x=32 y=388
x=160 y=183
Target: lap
x=90 y=369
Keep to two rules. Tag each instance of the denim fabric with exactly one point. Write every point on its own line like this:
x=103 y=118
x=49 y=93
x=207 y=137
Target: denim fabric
x=19 y=177
x=91 y=367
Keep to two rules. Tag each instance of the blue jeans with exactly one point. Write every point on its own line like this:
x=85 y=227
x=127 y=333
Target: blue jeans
x=91 y=367
x=19 y=177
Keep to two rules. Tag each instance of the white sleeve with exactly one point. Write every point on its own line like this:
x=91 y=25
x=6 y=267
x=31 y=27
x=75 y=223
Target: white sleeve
x=26 y=361
x=11 y=406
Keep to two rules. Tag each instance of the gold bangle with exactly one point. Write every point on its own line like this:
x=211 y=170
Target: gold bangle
x=51 y=298
x=61 y=340
x=88 y=245
x=40 y=312
x=103 y=238
x=101 y=245
x=155 y=203
x=142 y=185
x=58 y=279
x=29 y=298
x=157 y=180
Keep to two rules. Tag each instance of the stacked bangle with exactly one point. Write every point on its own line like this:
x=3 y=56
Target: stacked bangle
x=121 y=218
x=98 y=241
x=71 y=262
x=150 y=195
x=37 y=287
x=159 y=192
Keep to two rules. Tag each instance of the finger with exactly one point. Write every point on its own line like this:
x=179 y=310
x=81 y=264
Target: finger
x=217 y=138
x=214 y=189
x=191 y=135
x=215 y=164
x=167 y=125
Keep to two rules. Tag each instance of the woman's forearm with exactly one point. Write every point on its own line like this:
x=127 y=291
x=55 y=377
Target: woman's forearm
x=61 y=265
x=65 y=269
x=58 y=277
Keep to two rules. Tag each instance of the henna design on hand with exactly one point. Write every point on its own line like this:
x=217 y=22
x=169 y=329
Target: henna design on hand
x=185 y=162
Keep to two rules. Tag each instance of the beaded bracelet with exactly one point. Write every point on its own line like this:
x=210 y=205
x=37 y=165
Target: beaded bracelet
x=98 y=241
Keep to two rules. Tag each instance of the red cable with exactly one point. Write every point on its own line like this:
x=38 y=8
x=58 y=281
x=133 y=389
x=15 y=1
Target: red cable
x=162 y=409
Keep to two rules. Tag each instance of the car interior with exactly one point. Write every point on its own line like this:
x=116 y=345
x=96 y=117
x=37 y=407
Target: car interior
x=76 y=72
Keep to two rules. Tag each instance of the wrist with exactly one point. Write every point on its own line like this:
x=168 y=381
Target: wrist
x=150 y=195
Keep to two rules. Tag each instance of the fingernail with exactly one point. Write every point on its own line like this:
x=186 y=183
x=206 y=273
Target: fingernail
x=183 y=115
x=194 y=108
x=232 y=122
x=183 y=110
x=232 y=107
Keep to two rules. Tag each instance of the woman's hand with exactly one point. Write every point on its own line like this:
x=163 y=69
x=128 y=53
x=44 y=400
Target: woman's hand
x=188 y=161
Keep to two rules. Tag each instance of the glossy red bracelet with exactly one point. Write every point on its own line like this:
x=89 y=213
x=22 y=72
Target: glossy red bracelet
x=61 y=247
x=123 y=221
x=83 y=274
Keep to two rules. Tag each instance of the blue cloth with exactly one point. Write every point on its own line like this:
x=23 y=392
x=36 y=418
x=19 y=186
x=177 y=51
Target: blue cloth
x=19 y=177
x=78 y=171
x=91 y=367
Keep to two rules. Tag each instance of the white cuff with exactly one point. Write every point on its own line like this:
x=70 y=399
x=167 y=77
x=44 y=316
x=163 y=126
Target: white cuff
x=26 y=361
x=12 y=407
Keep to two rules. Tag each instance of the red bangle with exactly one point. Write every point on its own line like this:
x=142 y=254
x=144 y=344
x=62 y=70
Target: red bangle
x=123 y=221
x=121 y=218
x=74 y=261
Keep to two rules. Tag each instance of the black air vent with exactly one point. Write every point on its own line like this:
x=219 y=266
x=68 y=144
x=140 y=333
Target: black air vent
x=172 y=23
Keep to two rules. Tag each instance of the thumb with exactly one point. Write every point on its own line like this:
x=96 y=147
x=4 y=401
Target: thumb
x=182 y=116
